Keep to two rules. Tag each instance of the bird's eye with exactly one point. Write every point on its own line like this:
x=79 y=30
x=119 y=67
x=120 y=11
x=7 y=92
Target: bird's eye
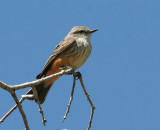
x=81 y=31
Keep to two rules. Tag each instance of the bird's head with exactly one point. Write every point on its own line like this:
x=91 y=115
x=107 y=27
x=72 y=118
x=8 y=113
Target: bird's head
x=81 y=31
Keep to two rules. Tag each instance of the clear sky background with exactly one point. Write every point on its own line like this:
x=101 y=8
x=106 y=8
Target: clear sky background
x=121 y=75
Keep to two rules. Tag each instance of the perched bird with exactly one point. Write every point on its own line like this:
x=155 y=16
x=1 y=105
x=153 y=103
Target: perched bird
x=73 y=51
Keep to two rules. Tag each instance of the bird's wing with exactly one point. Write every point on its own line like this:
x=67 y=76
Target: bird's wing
x=63 y=45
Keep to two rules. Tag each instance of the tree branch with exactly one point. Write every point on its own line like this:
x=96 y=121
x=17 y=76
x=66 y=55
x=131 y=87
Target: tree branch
x=21 y=111
x=11 y=89
x=71 y=98
x=87 y=95
x=10 y=111
x=39 y=104
x=79 y=75
x=33 y=83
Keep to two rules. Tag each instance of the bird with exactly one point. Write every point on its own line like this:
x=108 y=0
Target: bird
x=73 y=51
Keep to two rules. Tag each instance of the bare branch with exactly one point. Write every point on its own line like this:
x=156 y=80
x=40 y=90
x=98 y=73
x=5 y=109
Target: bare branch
x=6 y=87
x=93 y=108
x=21 y=111
x=78 y=74
x=12 y=88
x=41 y=111
x=28 y=96
x=9 y=88
x=39 y=104
x=71 y=98
x=10 y=111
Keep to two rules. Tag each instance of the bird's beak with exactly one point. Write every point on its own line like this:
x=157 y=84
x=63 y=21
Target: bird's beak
x=92 y=31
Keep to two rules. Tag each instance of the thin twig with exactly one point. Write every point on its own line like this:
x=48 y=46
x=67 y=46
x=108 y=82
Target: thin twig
x=10 y=111
x=11 y=88
x=21 y=111
x=28 y=96
x=38 y=102
x=42 y=80
x=41 y=111
x=93 y=108
x=35 y=82
x=71 y=98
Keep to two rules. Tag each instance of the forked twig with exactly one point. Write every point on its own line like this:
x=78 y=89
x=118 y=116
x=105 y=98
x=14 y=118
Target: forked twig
x=21 y=111
x=71 y=98
x=10 y=111
x=11 y=89
x=93 y=107
x=79 y=75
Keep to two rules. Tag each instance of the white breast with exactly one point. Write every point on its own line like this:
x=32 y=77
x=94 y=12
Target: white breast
x=84 y=48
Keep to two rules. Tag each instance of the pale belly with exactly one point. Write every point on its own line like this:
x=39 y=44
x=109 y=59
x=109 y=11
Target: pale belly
x=82 y=53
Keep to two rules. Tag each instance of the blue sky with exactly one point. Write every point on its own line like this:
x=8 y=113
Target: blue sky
x=121 y=75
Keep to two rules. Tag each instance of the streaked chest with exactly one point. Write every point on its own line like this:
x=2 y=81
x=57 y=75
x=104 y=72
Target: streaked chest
x=83 y=51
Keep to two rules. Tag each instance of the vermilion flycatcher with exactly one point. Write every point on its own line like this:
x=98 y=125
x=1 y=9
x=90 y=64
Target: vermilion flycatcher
x=73 y=51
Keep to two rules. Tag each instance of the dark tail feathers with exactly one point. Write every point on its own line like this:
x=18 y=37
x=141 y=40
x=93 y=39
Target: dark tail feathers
x=42 y=92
